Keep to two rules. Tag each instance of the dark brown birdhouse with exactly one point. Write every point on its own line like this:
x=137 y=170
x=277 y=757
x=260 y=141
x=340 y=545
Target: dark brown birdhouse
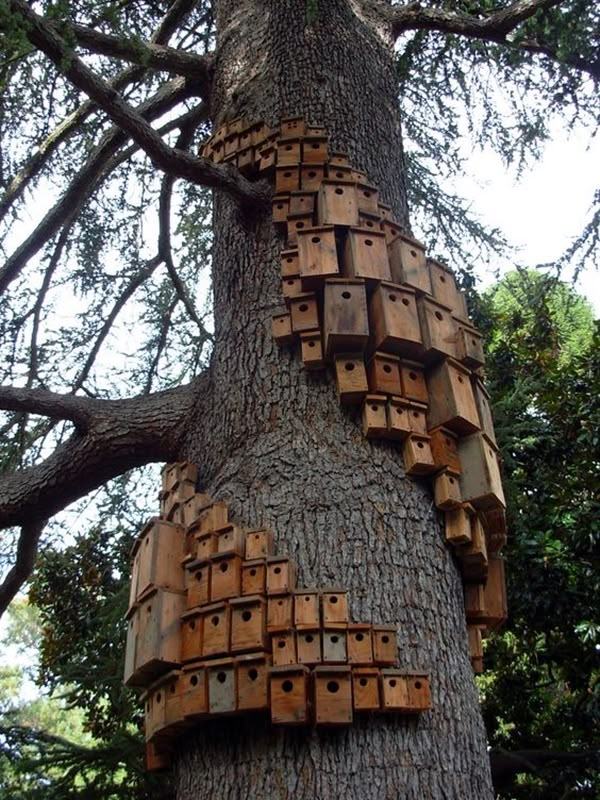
x=311 y=176
x=289 y=695
x=289 y=151
x=414 y=386
x=287 y=179
x=451 y=399
x=302 y=203
x=416 y=451
x=314 y=150
x=437 y=329
x=444 y=447
x=383 y=374
x=317 y=255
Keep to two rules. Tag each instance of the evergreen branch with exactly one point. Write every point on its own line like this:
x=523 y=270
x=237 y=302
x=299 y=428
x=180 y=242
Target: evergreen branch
x=161 y=343
x=24 y=562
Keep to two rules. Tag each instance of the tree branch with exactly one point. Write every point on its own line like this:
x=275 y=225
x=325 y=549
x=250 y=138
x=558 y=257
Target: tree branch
x=24 y=562
x=48 y=404
x=175 y=162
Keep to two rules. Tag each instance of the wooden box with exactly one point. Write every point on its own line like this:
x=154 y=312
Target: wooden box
x=291 y=287
x=305 y=316
x=473 y=556
x=458 y=524
x=417 y=418
x=158 y=757
x=289 y=151
x=414 y=386
x=216 y=626
x=311 y=176
x=338 y=159
x=306 y=609
x=231 y=539
x=482 y=401
x=289 y=695
x=157 y=555
x=254 y=576
x=391 y=230
x=246 y=158
x=335 y=646
x=495 y=594
x=337 y=203
x=283 y=646
x=302 y=203
x=334 y=608
x=451 y=400
x=311 y=347
x=225 y=576
x=494 y=522
x=365 y=255
x=292 y=127
x=385 y=644
x=267 y=158
x=368 y=197
x=193 y=507
x=444 y=447
x=397 y=418
x=206 y=543
x=281 y=207
x=314 y=150
x=162 y=707
x=360 y=643
x=333 y=695
x=246 y=139
x=445 y=290
x=198 y=582
x=394 y=320
x=308 y=644
x=419 y=694
x=287 y=179
x=469 y=346
x=282 y=329
x=345 y=320
x=133 y=621
x=295 y=225
x=351 y=378
x=446 y=490
x=383 y=373
x=248 y=623
x=407 y=261
x=416 y=452
x=317 y=256
x=280 y=612
x=281 y=575
x=475 y=639
x=365 y=689
x=232 y=144
x=368 y=220
x=222 y=689
x=394 y=691
x=191 y=635
x=253 y=682
x=158 y=641
x=315 y=130
x=290 y=265
x=342 y=173
x=374 y=416
x=259 y=543
x=437 y=329
x=212 y=518
x=194 y=695
x=480 y=477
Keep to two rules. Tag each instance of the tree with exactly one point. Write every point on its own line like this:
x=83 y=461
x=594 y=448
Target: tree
x=268 y=438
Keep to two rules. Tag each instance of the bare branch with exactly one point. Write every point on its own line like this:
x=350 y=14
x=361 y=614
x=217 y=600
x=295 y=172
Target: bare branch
x=48 y=404
x=24 y=563
x=162 y=341
x=175 y=162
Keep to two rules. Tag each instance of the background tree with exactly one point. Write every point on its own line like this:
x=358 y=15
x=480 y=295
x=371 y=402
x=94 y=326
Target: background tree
x=236 y=419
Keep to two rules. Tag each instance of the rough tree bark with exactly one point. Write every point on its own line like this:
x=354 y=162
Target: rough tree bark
x=277 y=447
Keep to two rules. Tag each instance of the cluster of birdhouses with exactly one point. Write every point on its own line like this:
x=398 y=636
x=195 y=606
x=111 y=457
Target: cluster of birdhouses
x=218 y=626
x=362 y=296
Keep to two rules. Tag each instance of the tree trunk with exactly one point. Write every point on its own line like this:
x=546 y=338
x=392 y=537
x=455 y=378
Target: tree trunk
x=280 y=450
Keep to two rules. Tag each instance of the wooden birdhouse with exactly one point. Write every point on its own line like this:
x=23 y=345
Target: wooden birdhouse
x=292 y=127
x=374 y=416
x=193 y=507
x=290 y=265
x=445 y=290
x=287 y=179
x=397 y=418
x=369 y=220
x=222 y=689
x=194 y=694
x=281 y=207
x=338 y=159
x=394 y=320
x=385 y=644
x=475 y=610
x=341 y=173
x=304 y=311
x=282 y=329
x=291 y=287
x=267 y=158
x=337 y=203
x=315 y=130
x=254 y=576
x=414 y=386
x=158 y=757
x=494 y=522
x=283 y=646
x=302 y=203
x=417 y=418
x=419 y=694
x=246 y=158
x=289 y=151
x=416 y=452
x=451 y=399
x=295 y=225
x=446 y=490
x=475 y=639
x=158 y=641
x=197 y=574
x=495 y=594
x=482 y=401
x=248 y=623
x=281 y=575
x=444 y=447
x=311 y=347
x=234 y=126
x=311 y=177
x=306 y=609
x=333 y=695
x=280 y=612
x=157 y=555
x=289 y=695
x=212 y=518
x=407 y=261
x=473 y=556
x=345 y=320
x=469 y=345
x=383 y=374
x=216 y=626
x=480 y=477
x=206 y=543
x=437 y=329
x=308 y=645
x=334 y=608
x=132 y=617
x=231 y=539
x=259 y=543
x=191 y=635
x=359 y=177
x=360 y=643
x=335 y=648
x=365 y=255
x=225 y=576
x=253 y=682
x=458 y=524
x=162 y=707
x=314 y=150
x=351 y=378
x=365 y=689
x=368 y=197
x=317 y=255
x=232 y=143
x=394 y=691
x=391 y=230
